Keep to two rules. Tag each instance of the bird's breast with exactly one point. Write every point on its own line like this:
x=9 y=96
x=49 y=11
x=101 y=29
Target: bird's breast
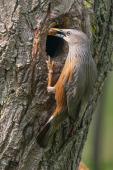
x=68 y=69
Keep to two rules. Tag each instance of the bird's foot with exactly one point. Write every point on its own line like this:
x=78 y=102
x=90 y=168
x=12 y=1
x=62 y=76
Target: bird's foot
x=50 y=68
x=50 y=89
x=50 y=65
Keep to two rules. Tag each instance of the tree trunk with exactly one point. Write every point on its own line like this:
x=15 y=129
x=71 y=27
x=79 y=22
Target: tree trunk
x=24 y=102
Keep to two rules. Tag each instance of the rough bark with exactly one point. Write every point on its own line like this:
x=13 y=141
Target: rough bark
x=24 y=102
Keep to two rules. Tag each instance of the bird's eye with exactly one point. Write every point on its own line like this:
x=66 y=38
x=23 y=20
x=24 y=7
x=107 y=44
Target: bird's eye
x=68 y=33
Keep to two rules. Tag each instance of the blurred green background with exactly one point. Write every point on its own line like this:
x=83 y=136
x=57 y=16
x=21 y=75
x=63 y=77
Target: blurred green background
x=98 y=150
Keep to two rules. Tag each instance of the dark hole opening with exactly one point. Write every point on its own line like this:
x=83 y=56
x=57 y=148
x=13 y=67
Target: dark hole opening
x=54 y=45
x=12 y=91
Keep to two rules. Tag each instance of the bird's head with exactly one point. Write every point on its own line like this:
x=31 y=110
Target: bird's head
x=72 y=36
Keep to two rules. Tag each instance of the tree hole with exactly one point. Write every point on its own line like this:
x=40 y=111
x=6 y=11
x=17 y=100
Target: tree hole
x=57 y=49
x=54 y=45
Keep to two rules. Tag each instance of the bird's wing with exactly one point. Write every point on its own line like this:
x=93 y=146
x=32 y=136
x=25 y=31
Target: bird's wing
x=74 y=92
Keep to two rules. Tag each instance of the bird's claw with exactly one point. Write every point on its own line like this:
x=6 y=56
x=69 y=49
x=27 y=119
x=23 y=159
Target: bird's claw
x=50 y=65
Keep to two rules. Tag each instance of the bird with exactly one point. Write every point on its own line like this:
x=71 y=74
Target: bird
x=75 y=84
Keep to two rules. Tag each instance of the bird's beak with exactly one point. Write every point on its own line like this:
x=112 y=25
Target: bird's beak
x=57 y=32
